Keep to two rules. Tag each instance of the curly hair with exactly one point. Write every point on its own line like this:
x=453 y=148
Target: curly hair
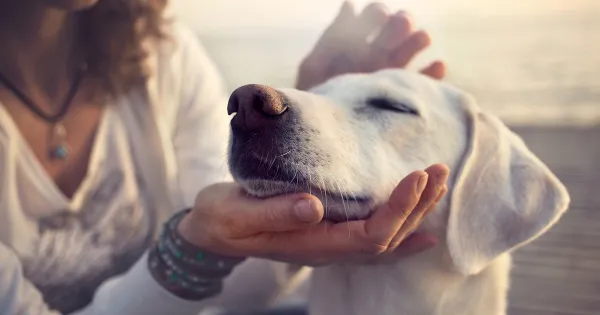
x=113 y=33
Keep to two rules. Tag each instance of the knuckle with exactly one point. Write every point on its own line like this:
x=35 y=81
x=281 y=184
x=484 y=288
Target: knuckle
x=404 y=204
x=403 y=211
x=227 y=227
x=227 y=222
x=271 y=216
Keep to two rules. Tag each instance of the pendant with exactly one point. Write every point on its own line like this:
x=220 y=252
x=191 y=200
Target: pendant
x=59 y=148
x=61 y=152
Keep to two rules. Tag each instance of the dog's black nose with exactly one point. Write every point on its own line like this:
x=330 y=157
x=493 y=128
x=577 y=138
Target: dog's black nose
x=256 y=106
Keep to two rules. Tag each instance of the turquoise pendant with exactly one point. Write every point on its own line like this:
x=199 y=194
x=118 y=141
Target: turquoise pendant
x=61 y=152
x=58 y=143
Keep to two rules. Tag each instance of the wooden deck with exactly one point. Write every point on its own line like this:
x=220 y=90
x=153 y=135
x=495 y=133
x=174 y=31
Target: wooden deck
x=559 y=274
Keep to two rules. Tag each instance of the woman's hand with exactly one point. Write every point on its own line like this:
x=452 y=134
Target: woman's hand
x=345 y=47
x=290 y=228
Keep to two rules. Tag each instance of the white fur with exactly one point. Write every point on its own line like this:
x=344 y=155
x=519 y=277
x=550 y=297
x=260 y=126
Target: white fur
x=500 y=195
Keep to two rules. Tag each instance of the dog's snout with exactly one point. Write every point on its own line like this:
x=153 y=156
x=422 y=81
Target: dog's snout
x=256 y=106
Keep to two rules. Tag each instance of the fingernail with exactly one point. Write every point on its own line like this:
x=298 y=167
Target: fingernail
x=422 y=183
x=305 y=211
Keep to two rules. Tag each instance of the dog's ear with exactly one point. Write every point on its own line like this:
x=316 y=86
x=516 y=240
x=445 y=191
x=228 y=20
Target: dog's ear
x=503 y=196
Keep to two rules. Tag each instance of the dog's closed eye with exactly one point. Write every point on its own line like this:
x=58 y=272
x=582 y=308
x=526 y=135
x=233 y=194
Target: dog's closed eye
x=388 y=104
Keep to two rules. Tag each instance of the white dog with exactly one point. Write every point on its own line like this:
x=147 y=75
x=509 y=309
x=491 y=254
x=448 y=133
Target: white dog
x=350 y=140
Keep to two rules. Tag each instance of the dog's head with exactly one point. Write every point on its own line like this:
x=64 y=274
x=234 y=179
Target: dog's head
x=350 y=140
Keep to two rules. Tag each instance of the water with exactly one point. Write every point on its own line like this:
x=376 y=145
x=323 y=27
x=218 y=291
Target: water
x=543 y=70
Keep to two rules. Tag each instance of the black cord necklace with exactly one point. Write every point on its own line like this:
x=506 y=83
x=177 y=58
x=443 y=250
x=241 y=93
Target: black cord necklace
x=58 y=146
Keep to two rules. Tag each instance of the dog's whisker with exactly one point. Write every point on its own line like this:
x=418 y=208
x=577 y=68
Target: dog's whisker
x=275 y=159
x=277 y=171
x=343 y=202
x=351 y=194
x=323 y=191
x=263 y=159
x=247 y=142
x=291 y=182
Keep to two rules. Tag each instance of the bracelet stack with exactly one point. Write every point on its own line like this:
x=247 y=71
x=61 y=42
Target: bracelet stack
x=184 y=269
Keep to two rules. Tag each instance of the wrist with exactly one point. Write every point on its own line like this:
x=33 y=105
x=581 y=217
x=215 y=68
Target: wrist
x=193 y=235
x=184 y=269
x=189 y=231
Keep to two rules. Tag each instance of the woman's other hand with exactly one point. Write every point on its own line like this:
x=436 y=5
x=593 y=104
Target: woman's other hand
x=345 y=47
x=290 y=228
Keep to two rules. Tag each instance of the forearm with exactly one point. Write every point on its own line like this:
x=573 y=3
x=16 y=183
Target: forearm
x=136 y=292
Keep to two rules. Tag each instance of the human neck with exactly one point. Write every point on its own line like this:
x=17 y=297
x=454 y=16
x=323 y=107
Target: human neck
x=37 y=45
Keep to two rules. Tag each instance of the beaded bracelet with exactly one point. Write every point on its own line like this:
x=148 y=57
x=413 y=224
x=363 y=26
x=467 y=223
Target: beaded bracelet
x=184 y=269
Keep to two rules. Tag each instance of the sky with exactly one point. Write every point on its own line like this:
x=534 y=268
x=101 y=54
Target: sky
x=224 y=15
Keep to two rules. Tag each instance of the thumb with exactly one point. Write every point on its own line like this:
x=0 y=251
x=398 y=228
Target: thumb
x=283 y=213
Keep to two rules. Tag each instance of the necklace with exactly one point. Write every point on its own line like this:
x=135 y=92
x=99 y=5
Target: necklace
x=58 y=148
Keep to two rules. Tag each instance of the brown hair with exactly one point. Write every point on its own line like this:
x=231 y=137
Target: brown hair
x=113 y=33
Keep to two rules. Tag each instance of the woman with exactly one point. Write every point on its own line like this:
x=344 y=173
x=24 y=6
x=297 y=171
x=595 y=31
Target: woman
x=109 y=125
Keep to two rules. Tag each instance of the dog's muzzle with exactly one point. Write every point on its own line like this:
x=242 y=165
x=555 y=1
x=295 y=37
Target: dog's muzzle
x=264 y=127
x=272 y=152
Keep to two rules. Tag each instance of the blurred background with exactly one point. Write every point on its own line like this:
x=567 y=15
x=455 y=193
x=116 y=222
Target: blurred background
x=535 y=63
x=532 y=60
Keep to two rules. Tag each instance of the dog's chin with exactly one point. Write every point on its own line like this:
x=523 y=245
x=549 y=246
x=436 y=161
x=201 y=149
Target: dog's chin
x=338 y=207
x=264 y=188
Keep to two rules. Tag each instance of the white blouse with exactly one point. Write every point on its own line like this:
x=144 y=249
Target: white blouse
x=156 y=148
